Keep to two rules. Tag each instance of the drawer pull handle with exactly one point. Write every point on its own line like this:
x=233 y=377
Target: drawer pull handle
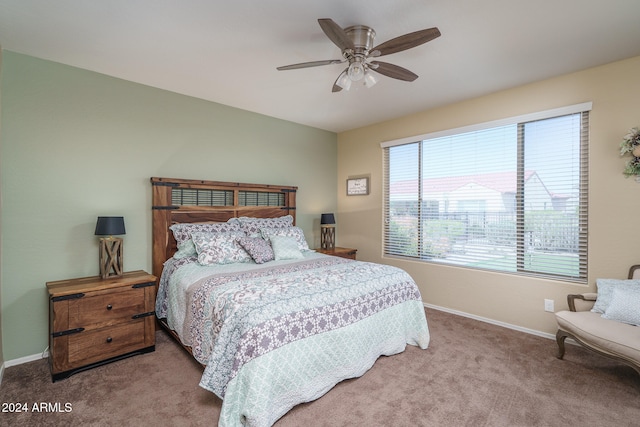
x=109 y=306
x=138 y=316
x=109 y=339
x=67 y=332
x=66 y=297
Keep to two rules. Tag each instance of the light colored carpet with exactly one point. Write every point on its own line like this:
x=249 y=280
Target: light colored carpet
x=473 y=374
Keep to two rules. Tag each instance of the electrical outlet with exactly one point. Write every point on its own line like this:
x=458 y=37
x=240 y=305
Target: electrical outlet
x=548 y=305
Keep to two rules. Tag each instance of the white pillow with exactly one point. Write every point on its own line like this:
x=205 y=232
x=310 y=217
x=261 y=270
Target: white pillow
x=605 y=292
x=625 y=305
x=285 y=247
x=295 y=232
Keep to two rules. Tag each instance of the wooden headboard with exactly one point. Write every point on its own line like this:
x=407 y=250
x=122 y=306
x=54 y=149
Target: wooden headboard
x=187 y=201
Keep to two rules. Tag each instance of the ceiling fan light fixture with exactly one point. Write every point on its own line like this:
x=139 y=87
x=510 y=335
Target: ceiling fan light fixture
x=344 y=81
x=356 y=70
x=369 y=78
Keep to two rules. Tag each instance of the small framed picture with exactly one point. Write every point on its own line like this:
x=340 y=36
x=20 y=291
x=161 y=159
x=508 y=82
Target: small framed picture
x=358 y=186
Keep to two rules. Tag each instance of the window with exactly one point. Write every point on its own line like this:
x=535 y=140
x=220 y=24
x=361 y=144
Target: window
x=509 y=196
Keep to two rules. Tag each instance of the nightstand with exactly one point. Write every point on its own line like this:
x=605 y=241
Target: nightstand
x=341 y=252
x=93 y=321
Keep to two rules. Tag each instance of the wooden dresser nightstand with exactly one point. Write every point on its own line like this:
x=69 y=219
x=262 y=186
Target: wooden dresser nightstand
x=93 y=321
x=341 y=252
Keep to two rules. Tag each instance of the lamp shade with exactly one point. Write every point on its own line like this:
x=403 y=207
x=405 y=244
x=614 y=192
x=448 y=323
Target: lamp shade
x=327 y=218
x=110 y=226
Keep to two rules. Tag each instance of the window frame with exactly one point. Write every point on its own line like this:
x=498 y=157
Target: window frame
x=583 y=157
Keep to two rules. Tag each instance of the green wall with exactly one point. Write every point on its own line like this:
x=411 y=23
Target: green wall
x=76 y=144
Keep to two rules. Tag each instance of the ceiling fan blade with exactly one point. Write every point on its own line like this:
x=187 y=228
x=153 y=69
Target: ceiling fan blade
x=336 y=34
x=405 y=42
x=310 y=64
x=393 y=71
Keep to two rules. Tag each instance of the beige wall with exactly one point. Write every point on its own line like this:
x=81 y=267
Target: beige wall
x=614 y=230
x=77 y=144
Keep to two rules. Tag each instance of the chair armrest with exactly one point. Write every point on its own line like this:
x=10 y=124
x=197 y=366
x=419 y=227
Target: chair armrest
x=581 y=302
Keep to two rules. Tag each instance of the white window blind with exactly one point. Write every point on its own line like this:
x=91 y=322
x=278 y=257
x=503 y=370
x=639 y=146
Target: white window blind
x=509 y=196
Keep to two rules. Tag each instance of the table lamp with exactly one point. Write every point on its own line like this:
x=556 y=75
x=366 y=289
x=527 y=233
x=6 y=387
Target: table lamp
x=110 y=247
x=327 y=231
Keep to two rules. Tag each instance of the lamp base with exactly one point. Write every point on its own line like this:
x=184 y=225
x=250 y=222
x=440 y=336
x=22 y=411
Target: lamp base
x=327 y=237
x=110 y=257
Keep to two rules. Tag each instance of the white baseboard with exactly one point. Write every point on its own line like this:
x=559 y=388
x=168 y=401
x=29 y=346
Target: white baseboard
x=45 y=354
x=26 y=359
x=491 y=321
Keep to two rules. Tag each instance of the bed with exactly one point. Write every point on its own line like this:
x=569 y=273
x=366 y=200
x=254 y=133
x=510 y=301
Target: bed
x=273 y=322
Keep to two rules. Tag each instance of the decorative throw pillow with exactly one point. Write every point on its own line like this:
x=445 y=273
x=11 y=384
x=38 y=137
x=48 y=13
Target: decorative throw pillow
x=259 y=249
x=252 y=226
x=219 y=248
x=285 y=247
x=295 y=232
x=625 y=305
x=605 y=292
x=182 y=232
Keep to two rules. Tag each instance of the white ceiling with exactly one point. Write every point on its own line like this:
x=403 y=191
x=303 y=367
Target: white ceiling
x=228 y=51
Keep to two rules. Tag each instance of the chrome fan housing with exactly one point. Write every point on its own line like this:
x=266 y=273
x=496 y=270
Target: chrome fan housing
x=362 y=37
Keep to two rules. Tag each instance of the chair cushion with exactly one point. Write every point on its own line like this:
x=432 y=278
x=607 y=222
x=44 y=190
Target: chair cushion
x=608 y=336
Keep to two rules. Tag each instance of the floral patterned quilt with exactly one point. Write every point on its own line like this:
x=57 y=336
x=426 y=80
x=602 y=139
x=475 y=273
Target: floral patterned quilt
x=278 y=334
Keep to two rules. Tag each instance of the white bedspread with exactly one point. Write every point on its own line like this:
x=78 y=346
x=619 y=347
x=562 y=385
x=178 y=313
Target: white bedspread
x=282 y=333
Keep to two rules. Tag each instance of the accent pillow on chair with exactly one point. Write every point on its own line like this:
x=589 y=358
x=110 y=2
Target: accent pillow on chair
x=605 y=291
x=624 y=306
x=610 y=328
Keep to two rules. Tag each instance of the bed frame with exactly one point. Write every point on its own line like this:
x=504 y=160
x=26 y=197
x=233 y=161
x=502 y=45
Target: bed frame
x=192 y=201
x=188 y=201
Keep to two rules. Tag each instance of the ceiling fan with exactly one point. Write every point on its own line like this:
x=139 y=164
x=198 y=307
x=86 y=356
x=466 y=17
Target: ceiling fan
x=356 y=43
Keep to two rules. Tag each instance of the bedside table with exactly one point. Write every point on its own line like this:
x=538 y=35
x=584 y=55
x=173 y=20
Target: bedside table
x=93 y=321
x=341 y=252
